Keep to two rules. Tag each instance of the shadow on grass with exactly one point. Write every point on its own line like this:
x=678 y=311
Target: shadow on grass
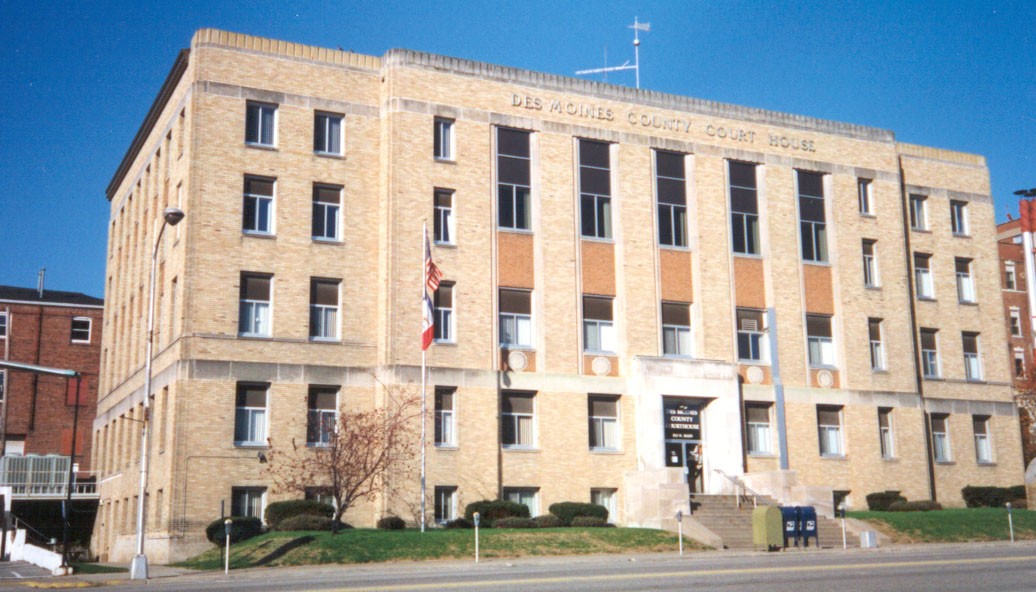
x=284 y=549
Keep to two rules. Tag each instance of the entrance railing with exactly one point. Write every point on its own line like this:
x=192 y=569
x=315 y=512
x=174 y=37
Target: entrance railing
x=742 y=491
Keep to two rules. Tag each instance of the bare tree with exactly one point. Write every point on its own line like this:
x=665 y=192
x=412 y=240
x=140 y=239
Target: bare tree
x=353 y=457
x=1025 y=399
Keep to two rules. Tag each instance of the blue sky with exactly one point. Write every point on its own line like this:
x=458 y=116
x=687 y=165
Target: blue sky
x=78 y=78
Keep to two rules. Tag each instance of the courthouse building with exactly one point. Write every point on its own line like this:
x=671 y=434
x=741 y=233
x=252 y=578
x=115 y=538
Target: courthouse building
x=634 y=282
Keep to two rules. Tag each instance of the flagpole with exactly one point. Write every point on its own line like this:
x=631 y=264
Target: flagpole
x=424 y=396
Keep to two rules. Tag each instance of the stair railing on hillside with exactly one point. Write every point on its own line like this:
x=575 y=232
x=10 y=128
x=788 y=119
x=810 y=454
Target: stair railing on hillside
x=31 y=534
x=741 y=491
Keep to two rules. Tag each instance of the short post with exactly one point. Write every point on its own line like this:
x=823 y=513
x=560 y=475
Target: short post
x=1010 y=521
x=679 y=529
x=841 y=512
x=226 y=527
x=476 y=517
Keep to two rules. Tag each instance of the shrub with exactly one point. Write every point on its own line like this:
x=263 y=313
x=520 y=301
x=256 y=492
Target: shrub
x=391 y=523
x=514 y=522
x=567 y=511
x=458 y=523
x=881 y=500
x=493 y=510
x=303 y=522
x=241 y=528
x=991 y=497
x=915 y=506
x=590 y=521
x=547 y=521
x=1017 y=492
x=278 y=511
x=1020 y=504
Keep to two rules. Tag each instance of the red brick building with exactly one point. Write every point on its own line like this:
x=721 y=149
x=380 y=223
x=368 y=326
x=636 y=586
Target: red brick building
x=59 y=330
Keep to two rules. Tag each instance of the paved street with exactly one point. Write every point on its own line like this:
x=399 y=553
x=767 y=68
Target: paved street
x=17 y=570
x=942 y=568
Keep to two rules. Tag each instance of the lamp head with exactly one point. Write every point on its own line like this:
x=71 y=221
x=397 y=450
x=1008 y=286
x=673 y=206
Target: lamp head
x=173 y=216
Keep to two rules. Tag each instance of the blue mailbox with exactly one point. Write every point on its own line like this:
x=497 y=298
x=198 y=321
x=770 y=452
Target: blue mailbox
x=808 y=525
x=790 y=520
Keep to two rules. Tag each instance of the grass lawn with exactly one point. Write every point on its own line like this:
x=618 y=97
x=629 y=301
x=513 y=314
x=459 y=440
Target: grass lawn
x=367 y=545
x=96 y=568
x=956 y=525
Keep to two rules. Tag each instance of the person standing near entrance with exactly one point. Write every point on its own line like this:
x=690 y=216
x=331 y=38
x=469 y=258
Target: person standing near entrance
x=695 y=479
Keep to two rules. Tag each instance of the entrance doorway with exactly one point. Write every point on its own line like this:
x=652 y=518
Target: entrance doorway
x=687 y=455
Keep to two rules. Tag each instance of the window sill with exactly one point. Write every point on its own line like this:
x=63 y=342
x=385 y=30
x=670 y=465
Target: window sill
x=317 y=445
x=749 y=255
x=605 y=353
x=763 y=363
x=445 y=245
x=841 y=457
x=606 y=451
x=967 y=302
x=444 y=160
x=890 y=459
x=872 y=288
x=934 y=378
x=513 y=448
x=598 y=239
x=879 y=370
x=868 y=215
x=961 y=235
x=762 y=455
x=920 y=230
x=443 y=342
x=271 y=147
x=327 y=241
x=817 y=263
x=329 y=155
x=926 y=298
x=254 y=445
x=253 y=336
x=945 y=462
x=822 y=367
x=678 y=248
x=447 y=447
x=515 y=230
x=326 y=340
x=516 y=347
x=975 y=381
x=79 y=342
x=254 y=234
x=986 y=463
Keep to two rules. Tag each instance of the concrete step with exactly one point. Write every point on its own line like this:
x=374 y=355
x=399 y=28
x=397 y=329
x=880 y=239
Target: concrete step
x=720 y=514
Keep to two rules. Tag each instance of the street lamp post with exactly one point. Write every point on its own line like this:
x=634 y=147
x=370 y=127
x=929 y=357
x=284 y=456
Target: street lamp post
x=138 y=568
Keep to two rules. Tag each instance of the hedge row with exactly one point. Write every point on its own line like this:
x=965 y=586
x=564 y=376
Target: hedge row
x=991 y=497
x=880 y=501
x=241 y=528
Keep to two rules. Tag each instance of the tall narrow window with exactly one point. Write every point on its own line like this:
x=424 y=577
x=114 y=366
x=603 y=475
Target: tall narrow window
x=863 y=192
x=518 y=420
x=1019 y=362
x=812 y=219
x=929 y=353
x=327 y=207
x=261 y=124
x=443 y=217
x=604 y=496
x=514 y=179
x=255 y=316
x=983 y=446
x=250 y=415
x=322 y=418
x=877 y=346
x=751 y=335
x=676 y=329
x=598 y=327
x=870 y=264
x=965 y=283
x=327 y=133
x=604 y=422
x=445 y=419
x=443 y=302
x=757 y=428
x=744 y=208
x=1016 y=322
x=443 y=139
x=258 y=206
x=671 y=189
x=820 y=340
x=3 y=325
x=81 y=329
x=972 y=359
x=445 y=503
x=248 y=501
x=323 y=309
x=888 y=450
x=941 y=438
x=595 y=202
x=918 y=212
x=515 y=318
x=829 y=426
x=959 y=217
x=923 y=276
x=1010 y=276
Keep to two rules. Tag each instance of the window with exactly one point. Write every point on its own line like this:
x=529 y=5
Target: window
x=972 y=361
x=1019 y=362
x=959 y=217
x=443 y=302
x=527 y=496
x=983 y=447
x=670 y=188
x=676 y=329
x=327 y=133
x=323 y=309
x=941 y=438
x=744 y=208
x=3 y=383
x=918 y=212
x=261 y=124
x=604 y=423
x=820 y=341
x=327 y=207
x=870 y=264
x=514 y=179
x=929 y=353
x=445 y=503
x=598 y=329
x=603 y=496
x=877 y=347
x=595 y=202
x=322 y=418
x=751 y=335
x=258 y=206
x=445 y=418
x=81 y=329
x=1010 y=276
x=812 y=220
x=518 y=419
x=3 y=325
x=443 y=218
x=965 y=283
x=863 y=191
x=757 y=428
x=321 y=495
x=443 y=137
x=829 y=424
x=250 y=415
x=248 y=501
x=515 y=318
x=888 y=450
x=923 y=276
x=1016 y=322
x=255 y=316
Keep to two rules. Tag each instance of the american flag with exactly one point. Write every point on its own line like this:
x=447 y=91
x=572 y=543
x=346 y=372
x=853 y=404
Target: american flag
x=432 y=275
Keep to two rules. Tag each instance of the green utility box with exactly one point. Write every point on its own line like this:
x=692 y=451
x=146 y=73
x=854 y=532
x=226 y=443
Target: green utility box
x=767 y=534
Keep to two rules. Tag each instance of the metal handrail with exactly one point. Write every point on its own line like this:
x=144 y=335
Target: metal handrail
x=20 y=523
x=745 y=490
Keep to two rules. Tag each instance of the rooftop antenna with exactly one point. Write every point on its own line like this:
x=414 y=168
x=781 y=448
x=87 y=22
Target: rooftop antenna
x=39 y=280
x=637 y=27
